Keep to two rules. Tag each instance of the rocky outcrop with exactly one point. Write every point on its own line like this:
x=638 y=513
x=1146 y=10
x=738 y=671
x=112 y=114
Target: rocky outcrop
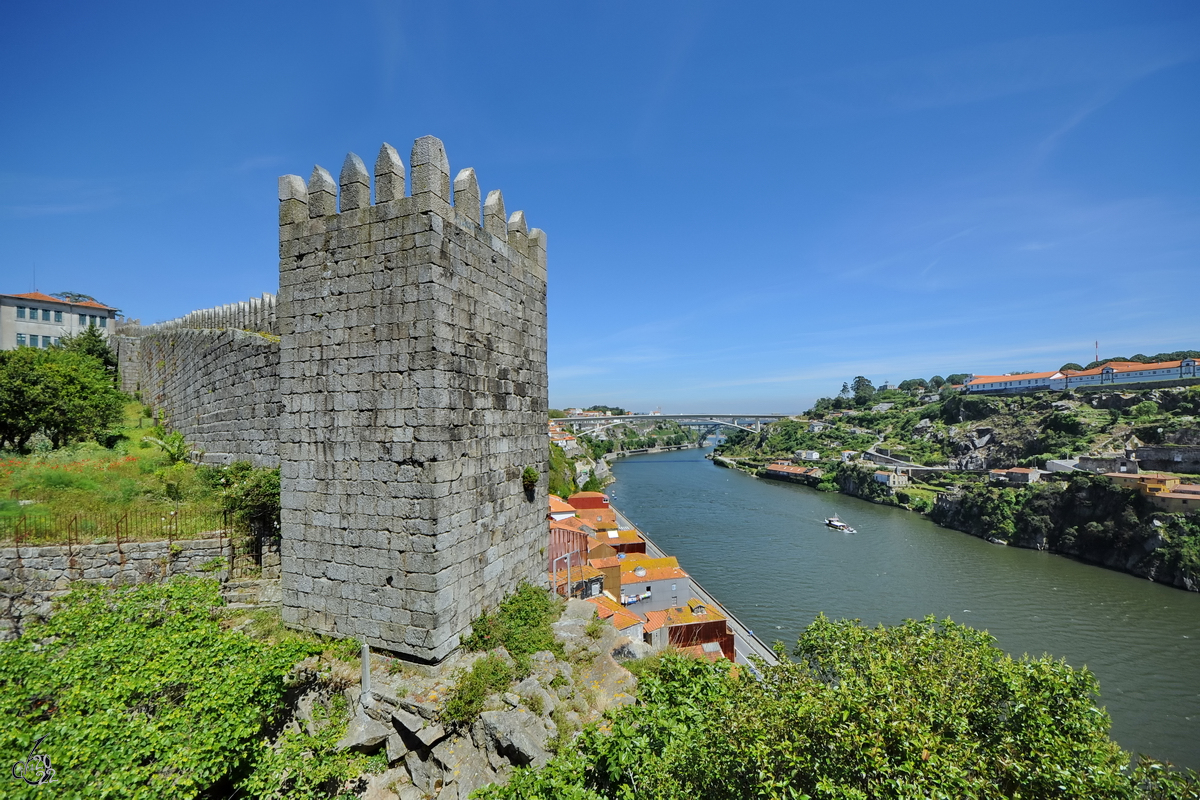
x=400 y=714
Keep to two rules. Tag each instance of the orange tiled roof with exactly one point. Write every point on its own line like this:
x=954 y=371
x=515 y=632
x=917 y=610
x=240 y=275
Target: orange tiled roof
x=692 y=613
x=573 y=524
x=588 y=494
x=604 y=563
x=621 y=537
x=560 y=506
x=622 y=617
x=698 y=651
x=600 y=518
x=1027 y=376
x=583 y=572
x=653 y=574
x=655 y=620
x=45 y=298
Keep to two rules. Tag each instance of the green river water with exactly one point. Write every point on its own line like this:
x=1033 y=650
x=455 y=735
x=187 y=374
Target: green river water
x=761 y=548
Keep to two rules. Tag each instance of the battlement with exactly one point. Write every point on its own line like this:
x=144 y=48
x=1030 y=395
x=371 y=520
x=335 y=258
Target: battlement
x=258 y=314
x=313 y=209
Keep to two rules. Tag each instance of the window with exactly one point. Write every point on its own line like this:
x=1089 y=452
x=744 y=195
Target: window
x=33 y=340
x=20 y=312
x=58 y=316
x=45 y=315
x=104 y=322
x=92 y=319
x=20 y=339
x=83 y=320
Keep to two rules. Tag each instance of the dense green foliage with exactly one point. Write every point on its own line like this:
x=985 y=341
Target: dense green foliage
x=250 y=493
x=1082 y=514
x=562 y=472
x=923 y=709
x=90 y=342
x=521 y=625
x=64 y=394
x=141 y=693
x=1175 y=355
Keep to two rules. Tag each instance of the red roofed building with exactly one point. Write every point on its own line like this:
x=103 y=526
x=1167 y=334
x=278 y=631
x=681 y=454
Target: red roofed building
x=582 y=500
x=34 y=319
x=694 y=627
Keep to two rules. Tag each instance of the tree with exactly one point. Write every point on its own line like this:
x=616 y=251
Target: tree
x=937 y=381
x=957 y=378
x=1070 y=365
x=863 y=390
x=65 y=395
x=845 y=392
x=90 y=342
x=912 y=384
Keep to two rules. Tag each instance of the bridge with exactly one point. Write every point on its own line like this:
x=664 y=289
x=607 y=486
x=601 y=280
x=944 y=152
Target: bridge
x=709 y=421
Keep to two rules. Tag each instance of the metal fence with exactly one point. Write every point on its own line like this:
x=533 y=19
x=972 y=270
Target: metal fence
x=142 y=525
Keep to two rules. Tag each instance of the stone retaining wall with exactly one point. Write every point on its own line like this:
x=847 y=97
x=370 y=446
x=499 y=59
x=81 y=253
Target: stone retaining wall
x=31 y=577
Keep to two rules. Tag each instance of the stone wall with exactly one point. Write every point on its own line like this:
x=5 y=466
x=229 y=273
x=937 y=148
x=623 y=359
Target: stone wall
x=219 y=388
x=31 y=577
x=1169 y=458
x=413 y=381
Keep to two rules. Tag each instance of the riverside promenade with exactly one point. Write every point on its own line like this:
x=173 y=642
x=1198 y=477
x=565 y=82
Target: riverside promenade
x=745 y=643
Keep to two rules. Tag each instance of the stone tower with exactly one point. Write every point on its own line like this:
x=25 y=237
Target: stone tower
x=413 y=386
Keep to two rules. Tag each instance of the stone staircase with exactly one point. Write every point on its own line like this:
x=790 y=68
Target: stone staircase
x=251 y=592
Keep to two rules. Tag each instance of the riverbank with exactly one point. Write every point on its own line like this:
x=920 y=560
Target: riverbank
x=1086 y=518
x=762 y=547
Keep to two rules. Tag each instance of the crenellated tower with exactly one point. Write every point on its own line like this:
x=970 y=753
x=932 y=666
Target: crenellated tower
x=413 y=388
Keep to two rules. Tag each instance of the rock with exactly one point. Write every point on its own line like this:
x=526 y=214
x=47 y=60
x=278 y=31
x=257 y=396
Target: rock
x=579 y=610
x=425 y=772
x=410 y=792
x=396 y=748
x=471 y=773
x=530 y=687
x=631 y=648
x=407 y=720
x=510 y=698
x=518 y=735
x=430 y=734
x=544 y=656
x=423 y=708
x=379 y=787
x=364 y=735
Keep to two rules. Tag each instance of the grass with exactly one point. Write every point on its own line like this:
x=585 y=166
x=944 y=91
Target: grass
x=487 y=675
x=521 y=625
x=97 y=491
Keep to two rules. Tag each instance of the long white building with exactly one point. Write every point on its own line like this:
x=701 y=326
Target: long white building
x=1113 y=373
x=34 y=319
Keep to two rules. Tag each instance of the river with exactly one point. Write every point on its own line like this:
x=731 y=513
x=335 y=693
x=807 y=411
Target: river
x=761 y=548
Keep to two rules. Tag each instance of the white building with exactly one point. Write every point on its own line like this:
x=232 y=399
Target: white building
x=1113 y=373
x=34 y=319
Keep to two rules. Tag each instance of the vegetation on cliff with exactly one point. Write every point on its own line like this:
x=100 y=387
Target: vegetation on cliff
x=922 y=709
x=1084 y=515
x=143 y=692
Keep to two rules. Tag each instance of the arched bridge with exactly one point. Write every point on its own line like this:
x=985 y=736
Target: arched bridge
x=745 y=422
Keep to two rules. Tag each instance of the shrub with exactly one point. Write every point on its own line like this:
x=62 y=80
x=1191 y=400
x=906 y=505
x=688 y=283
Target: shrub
x=489 y=674
x=521 y=625
x=140 y=693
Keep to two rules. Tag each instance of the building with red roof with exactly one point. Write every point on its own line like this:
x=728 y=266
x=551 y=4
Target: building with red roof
x=34 y=319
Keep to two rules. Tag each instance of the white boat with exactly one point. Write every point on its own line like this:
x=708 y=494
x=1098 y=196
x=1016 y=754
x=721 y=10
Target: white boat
x=838 y=525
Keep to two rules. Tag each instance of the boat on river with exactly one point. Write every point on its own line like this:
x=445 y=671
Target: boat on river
x=838 y=525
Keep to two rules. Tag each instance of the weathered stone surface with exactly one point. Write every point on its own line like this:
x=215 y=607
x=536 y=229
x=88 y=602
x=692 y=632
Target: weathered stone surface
x=518 y=735
x=396 y=748
x=423 y=770
x=365 y=735
x=430 y=734
x=379 y=787
x=409 y=721
x=578 y=610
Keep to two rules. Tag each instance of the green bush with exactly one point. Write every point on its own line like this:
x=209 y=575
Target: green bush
x=140 y=693
x=922 y=709
x=521 y=625
x=489 y=674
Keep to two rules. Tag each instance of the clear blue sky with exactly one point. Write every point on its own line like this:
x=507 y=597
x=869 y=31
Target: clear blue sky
x=746 y=204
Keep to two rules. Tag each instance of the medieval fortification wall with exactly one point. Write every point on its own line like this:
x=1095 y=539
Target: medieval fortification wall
x=403 y=398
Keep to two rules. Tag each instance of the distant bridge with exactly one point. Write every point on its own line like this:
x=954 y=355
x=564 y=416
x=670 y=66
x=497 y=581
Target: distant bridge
x=745 y=422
